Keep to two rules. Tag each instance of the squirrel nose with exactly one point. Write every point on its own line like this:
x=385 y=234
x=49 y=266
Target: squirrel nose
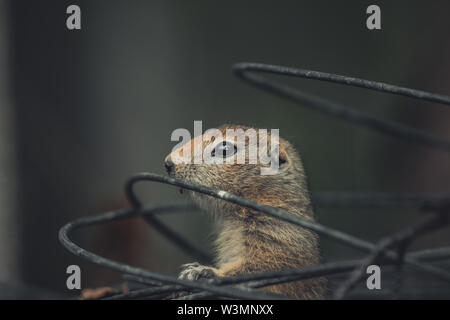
x=170 y=166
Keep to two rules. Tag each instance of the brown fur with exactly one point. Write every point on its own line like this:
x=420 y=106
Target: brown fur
x=250 y=241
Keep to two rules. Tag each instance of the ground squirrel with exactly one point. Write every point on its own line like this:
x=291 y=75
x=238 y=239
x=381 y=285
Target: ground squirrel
x=250 y=241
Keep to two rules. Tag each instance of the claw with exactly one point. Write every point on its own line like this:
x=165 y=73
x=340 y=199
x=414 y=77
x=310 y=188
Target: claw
x=196 y=271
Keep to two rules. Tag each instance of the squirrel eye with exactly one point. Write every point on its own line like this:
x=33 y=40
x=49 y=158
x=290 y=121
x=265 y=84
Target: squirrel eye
x=224 y=149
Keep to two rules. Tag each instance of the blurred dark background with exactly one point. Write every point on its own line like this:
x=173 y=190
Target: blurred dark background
x=82 y=110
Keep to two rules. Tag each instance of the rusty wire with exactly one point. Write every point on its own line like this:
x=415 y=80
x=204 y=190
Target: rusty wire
x=390 y=250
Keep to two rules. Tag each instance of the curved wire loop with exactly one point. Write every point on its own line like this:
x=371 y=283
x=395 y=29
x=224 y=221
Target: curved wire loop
x=273 y=278
x=246 y=72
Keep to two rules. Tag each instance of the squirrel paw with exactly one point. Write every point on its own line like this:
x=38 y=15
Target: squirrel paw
x=196 y=271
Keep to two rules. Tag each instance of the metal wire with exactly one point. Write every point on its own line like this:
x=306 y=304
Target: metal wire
x=245 y=72
x=390 y=250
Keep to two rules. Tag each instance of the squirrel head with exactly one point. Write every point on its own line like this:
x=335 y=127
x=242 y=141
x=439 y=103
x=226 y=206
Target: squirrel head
x=252 y=163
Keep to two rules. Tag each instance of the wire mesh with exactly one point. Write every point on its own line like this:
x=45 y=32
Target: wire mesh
x=392 y=250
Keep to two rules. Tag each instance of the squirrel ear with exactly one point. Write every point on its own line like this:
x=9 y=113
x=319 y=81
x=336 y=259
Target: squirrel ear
x=282 y=157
